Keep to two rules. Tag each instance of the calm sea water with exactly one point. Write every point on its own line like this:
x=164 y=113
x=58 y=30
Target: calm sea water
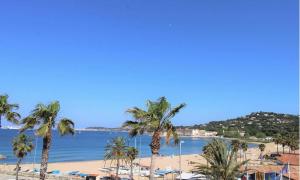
x=89 y=145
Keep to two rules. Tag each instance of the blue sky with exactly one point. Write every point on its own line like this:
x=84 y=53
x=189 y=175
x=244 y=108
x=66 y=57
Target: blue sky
x=98 y=58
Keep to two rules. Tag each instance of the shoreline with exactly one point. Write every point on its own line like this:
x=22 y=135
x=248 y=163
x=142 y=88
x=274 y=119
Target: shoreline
x=270 y=147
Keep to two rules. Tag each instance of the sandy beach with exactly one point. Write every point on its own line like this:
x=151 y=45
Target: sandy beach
x=188 y=162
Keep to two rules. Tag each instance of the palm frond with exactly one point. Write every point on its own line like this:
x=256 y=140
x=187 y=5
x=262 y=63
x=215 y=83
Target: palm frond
x=65 y=126
x=43 y=130
x=174 y=111
x=29 y=123
x=13 y=117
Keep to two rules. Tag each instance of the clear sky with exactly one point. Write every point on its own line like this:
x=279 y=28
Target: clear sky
x=98 y=58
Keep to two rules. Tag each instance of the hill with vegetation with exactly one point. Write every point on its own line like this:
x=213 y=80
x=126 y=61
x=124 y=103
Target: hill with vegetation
x=257 y=124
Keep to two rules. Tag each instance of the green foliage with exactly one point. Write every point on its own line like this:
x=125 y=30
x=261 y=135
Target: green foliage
x=116 y=149
x=22 y=145
x=244 y=146
x=221 y=160
x=235 y=145
x=262 y=147
x=260 y=135
x=131 y=153
x=7 y=110
x=258 y=124
x=232 y=134
x=157 y=117
x=44 y=116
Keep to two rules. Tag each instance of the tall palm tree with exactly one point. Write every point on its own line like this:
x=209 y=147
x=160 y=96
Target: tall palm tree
x=131 y=155
x=244 y=147
x=7 y=110
x=22 y=145
x=156 y=119
x=45 y=117
x=277 y=140
x=221 y=160
x=235 y=146
x=116 y=151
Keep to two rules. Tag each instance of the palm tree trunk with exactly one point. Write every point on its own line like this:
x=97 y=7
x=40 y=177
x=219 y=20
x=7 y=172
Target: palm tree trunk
x=17 y=168
x=152 y=165
x=240 y=155
x=131 y=169
x=277 y=148
x=117 y=170
x=155 y=146
x=45 y=155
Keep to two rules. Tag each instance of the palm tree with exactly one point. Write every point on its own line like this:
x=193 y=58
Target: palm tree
x=235 y=146
x=7 y=110
x=221 y=160
x=294 y=145
x=156 y=119
x=262 y=149
x=45 y=117
x=131 y=155
x=277 y=140
x=116 y=151
x=283 y=143
x=244 y=147
x=290 y=141
x=22 y=145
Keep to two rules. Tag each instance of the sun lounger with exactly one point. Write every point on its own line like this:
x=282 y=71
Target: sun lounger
x=54 y=172
x=72 y=172
x=105 y=169
x=82 y=174
x=190 y=176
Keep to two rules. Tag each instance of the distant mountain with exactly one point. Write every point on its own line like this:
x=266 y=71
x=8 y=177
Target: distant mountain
x=258 y=124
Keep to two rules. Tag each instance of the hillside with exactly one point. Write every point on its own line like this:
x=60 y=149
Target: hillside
x=258 y=124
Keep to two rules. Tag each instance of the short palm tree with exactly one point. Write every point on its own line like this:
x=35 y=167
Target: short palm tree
x=156 y=119
x=283 y=143
x=221 y=159
x=262 y=149
x=7 y=110
x=277 y=140
x=22 y=145
x=244 y=147
x=116 y=151
x=131 y=155
x=290 y=141
x=45 y=117
x=294 y=145
x=235 y=146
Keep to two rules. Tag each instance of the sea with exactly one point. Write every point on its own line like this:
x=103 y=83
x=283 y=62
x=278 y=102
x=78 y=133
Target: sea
x=90 y=145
